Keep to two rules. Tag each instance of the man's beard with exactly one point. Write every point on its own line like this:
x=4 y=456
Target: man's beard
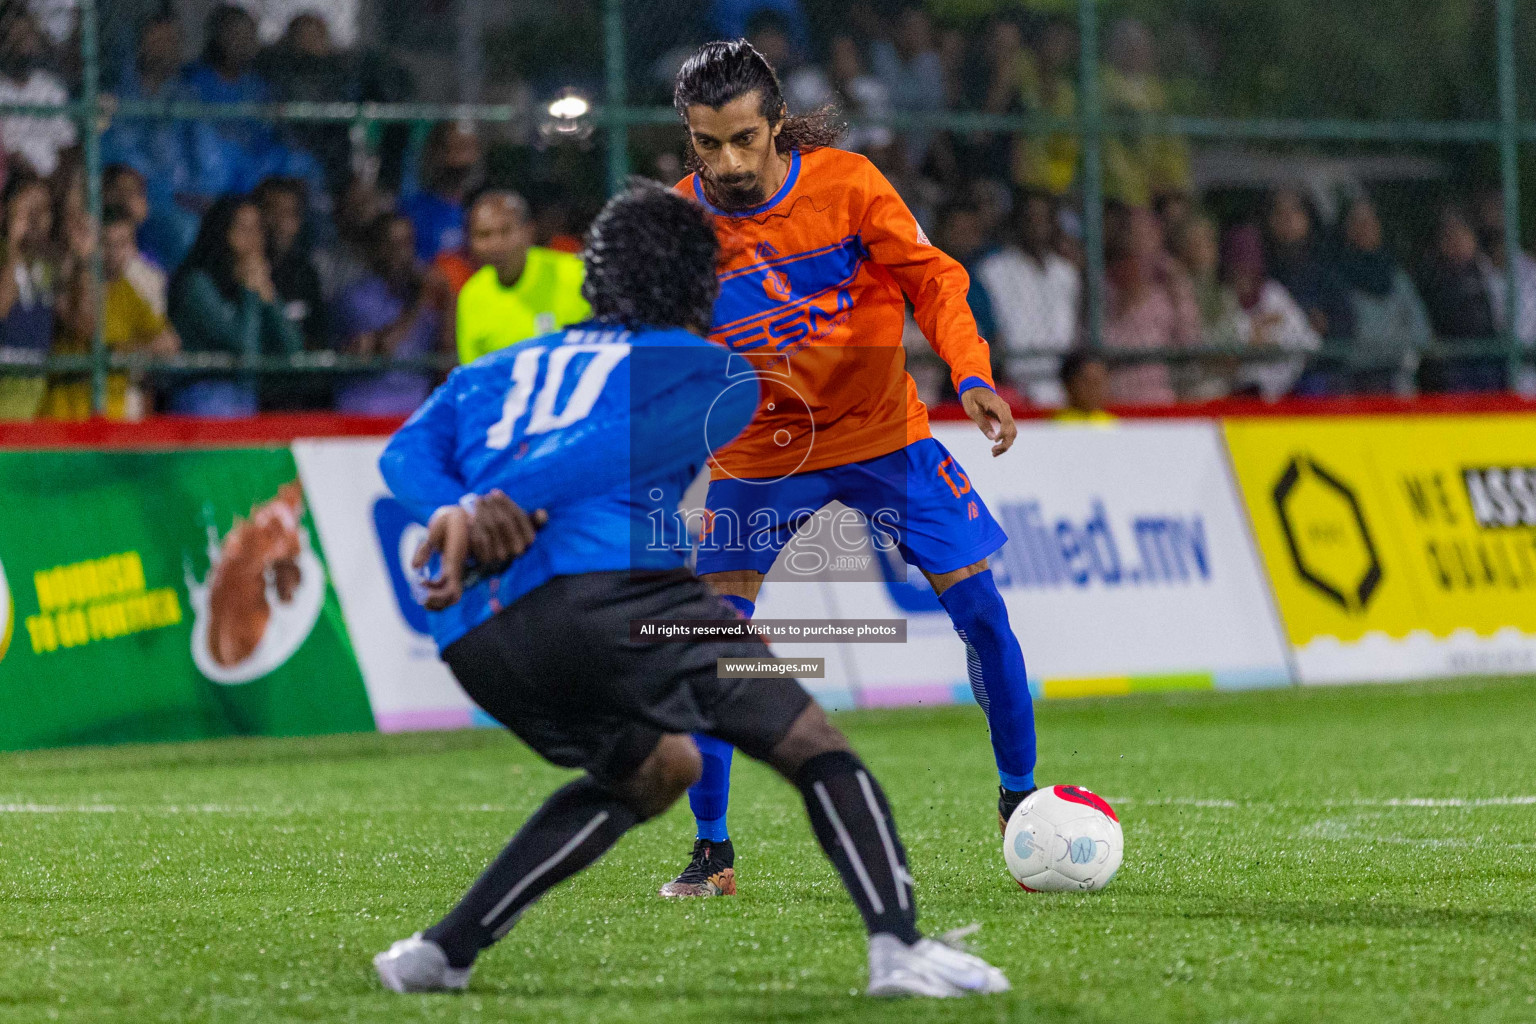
x=736 y=193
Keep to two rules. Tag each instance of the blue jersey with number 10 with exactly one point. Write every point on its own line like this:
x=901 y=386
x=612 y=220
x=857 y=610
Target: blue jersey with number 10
x=602 y=428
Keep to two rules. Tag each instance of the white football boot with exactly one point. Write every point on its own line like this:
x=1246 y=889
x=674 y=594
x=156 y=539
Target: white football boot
x=929 y=968
x=419 y=965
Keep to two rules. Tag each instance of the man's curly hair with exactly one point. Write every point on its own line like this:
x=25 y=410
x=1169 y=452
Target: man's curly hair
x=651 y=258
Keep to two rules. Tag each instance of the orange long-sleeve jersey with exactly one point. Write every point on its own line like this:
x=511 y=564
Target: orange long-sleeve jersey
x=811 y=299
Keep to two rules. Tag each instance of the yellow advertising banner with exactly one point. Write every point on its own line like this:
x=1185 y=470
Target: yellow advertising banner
x=1398 y=547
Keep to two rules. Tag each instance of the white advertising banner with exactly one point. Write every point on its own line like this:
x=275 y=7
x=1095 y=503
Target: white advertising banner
x=1129 y=567
x=368 y=541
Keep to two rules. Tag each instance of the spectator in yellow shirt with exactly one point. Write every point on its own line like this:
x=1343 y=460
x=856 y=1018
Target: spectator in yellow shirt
x=1139 y=166
x=129 y=323
x=1085 y=379
x=521 y=290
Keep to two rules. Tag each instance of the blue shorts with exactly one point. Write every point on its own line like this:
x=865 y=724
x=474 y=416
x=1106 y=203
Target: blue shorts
x=918 y=497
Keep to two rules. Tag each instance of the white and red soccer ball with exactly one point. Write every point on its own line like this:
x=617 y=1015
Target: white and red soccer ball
x=1063 y=839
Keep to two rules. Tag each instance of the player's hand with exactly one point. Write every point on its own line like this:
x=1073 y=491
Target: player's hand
x=991 y=413
x=448 y=535
x=500 y=531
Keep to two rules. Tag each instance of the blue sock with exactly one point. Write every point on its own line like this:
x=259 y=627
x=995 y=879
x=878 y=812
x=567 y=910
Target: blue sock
x=712 y=793
x=710 y=796
x=996 y=667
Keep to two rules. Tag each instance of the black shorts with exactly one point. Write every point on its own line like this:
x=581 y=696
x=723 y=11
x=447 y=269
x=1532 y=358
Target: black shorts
x=559 y=669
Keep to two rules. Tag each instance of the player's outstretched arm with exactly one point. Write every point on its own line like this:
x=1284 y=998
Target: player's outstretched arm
x=938 y=287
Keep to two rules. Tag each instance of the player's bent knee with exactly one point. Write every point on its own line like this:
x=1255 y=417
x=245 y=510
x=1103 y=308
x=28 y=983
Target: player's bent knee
x=662 y=777
x=810 y=736
x=943 y=581
x=982 y=613
x=676 y=765
x=995 y=617
x=684 y=765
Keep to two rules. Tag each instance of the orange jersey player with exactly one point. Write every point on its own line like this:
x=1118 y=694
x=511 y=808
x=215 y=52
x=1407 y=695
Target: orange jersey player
x=813 y=295
x=820 y=256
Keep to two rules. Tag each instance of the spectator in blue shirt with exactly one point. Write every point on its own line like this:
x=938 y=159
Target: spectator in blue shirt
x=729 y=18
x=394 y=311
x=224 y=75
x=450 y=165
x=167 y=155
x=251 y=149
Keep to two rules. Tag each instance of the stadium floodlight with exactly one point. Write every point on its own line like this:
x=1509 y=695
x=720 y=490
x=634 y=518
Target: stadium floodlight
x=569 y=106
x=567 y=118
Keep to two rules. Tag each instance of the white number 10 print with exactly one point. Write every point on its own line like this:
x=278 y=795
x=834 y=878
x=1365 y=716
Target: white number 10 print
x=544 y=418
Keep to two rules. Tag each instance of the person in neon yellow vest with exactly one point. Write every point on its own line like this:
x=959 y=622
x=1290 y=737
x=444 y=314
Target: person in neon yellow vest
x=521 y=290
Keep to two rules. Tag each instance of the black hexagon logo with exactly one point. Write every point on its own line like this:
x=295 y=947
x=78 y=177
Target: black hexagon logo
x=1330 y=543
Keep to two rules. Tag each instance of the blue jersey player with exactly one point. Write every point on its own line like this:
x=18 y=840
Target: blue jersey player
x=595 y=428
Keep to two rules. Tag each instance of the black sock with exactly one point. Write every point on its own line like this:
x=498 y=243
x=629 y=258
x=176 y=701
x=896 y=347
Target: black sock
x=853 y=823
x=576 y=826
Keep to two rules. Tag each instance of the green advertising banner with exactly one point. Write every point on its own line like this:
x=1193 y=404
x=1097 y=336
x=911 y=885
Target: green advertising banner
x=166 y=596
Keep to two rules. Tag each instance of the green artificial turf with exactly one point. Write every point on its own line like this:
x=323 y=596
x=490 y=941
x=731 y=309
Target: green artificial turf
x=1363 y=854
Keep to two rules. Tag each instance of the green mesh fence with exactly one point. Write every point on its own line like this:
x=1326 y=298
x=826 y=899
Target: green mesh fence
x=620 y=121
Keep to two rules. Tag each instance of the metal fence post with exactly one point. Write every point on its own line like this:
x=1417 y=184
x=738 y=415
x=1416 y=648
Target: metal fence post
x=1090 y=123
x=469 y=50
x=90 y=60
x=617 y=77
x=1509 y=180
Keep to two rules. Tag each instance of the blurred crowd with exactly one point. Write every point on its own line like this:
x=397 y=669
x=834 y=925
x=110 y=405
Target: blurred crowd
x=237 y=236
x=1317 y=308
x=1291 y=307
x=232 y=236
